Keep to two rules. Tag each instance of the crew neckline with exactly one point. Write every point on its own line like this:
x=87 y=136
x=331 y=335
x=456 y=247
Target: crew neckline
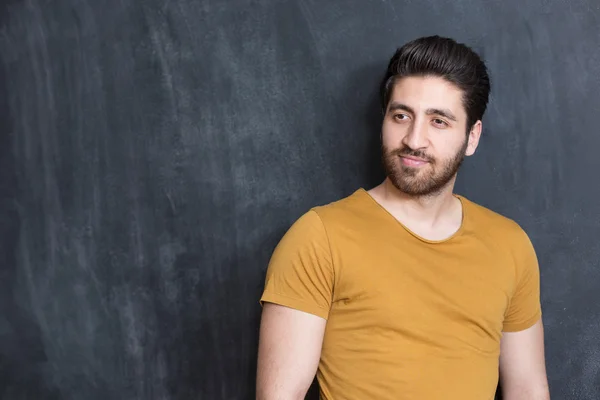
x=456 y=234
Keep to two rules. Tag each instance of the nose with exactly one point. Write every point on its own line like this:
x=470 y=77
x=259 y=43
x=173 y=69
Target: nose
x=416 y=136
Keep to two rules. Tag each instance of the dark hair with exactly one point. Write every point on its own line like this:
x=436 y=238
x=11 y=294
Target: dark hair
x=443 y=57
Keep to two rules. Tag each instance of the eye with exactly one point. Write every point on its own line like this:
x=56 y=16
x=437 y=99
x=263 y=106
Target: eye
x=400 y=117
x=440 y=122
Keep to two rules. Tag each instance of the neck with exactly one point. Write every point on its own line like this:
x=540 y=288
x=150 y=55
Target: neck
x=429 y=209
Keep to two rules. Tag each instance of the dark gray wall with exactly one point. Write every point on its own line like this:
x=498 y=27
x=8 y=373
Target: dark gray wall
x=153 y=153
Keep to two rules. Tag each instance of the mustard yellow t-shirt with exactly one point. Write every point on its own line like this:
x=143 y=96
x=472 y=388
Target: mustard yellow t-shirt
x=407 y=318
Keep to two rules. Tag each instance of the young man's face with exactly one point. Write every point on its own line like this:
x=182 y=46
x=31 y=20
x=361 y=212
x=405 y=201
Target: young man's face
x=424 y=135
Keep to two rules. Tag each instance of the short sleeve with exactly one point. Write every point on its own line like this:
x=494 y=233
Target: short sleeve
x=524 y=309
x=300 y=272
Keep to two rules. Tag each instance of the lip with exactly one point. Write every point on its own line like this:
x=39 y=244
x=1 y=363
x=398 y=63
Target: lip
x=413 y=161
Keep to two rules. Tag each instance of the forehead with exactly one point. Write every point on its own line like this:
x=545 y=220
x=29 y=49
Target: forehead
x=427 y=92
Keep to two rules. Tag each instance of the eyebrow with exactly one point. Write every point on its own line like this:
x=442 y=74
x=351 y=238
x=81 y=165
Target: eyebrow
x=438 y=111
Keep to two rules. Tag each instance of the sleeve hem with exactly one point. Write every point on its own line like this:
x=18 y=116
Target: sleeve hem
x=521 y=326
x=270 y=297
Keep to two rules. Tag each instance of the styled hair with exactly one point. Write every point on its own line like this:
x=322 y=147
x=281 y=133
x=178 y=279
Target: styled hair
x=447 y=59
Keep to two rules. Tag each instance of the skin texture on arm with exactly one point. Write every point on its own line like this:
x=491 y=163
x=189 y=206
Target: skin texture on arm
x=523 y=366
x=289 y=350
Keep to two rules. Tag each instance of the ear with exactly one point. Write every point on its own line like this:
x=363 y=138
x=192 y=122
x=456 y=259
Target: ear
x=473 y=140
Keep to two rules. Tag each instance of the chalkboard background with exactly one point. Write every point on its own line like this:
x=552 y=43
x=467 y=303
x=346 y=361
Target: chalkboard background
x=154 y=152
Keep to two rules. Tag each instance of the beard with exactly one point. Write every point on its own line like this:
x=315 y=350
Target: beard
x=427 y=180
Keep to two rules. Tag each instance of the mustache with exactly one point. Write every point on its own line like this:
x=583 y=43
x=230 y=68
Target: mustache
x=405 y=151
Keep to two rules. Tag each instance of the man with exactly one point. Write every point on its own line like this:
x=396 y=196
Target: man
x=408 y=291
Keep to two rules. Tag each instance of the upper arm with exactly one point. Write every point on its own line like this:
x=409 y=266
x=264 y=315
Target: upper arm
x=300 y=274
x=524 y=307
x=522 y=364
x=296 y=301
x=288 y=353
x=522 y=360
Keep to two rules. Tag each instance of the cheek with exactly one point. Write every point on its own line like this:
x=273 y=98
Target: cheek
x=444 y=147
x=454 y=145
x=391 y=134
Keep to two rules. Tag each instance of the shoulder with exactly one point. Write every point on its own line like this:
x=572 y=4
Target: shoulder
x=492 y=222
x=316 y=223
x=504 y=234
x=353 y=207
x=502 y=231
